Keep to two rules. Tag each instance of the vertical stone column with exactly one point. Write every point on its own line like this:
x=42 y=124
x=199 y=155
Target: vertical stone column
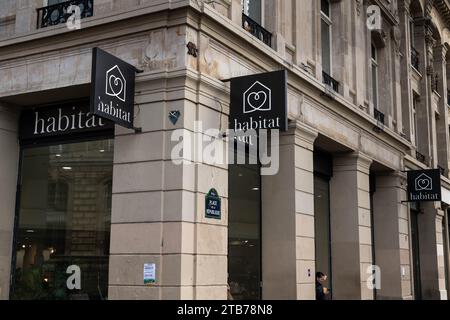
x=442 y=138
x=341 y=44
x=405 y=69
x=431 y=252
x=235 y=12
x=8 y=186
x=288 y=254
x=350 y=226
x=397 y=94
x=391 y=230
x=26 y=16
x=424 y=43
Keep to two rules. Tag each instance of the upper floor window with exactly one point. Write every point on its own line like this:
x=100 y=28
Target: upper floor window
x=252 y=20
x=374 y=65
x=57 y=12
x=253 y=9
x=414 y=116
x=326 y=24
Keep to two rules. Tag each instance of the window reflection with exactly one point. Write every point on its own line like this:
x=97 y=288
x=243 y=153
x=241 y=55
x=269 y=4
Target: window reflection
x=64 y=221
x=244 y=236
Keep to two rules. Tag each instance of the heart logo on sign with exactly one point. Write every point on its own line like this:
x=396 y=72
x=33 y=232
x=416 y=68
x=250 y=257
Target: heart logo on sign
x=424 y=183
x=257 y=100
x=116 y=85
x=258 y=97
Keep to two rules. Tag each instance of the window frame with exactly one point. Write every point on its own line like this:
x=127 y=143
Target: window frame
x=327 y=20
x=414 y=115
x=374 y=70
x=245 y=10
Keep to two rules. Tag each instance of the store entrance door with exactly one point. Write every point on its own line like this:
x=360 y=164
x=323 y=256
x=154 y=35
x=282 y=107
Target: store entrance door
x=62 y=234
x=244 y=232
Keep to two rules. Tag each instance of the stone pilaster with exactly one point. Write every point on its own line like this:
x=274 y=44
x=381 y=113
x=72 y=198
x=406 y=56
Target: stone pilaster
x=441 y=150
x=288 y=220
x=350 y=226
x=391 y=237
x=8 y=181
x=405 y=70
x=423 y=44
x=431 y=252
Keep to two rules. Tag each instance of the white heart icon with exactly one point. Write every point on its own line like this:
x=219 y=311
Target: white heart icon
x=116 y=85
x=259 y=99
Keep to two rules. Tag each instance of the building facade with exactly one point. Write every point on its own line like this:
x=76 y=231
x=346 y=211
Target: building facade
x=85 y=215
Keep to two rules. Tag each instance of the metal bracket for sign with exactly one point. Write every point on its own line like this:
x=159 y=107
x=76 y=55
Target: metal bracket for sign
x=138 y=130
x=225 y=80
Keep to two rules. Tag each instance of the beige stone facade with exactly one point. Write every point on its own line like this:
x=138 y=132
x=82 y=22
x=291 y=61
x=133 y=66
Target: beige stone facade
x=372 y=132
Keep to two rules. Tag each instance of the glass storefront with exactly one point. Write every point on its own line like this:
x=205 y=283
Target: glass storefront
x=244 y=232
x=322 y=175
x=63 y=223
x=414 y=212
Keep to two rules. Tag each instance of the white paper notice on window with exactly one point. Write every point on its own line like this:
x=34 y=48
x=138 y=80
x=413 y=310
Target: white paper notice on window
x=149 y=273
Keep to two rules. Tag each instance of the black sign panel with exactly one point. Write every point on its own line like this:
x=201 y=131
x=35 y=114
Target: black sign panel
x=112 y=92
x=213 y=205
x=424 y=185
x=60 y=120
x=259 y=102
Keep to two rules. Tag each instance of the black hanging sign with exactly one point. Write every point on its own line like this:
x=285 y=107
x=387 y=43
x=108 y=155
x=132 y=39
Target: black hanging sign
x=112 y=88
x=259 y=102
x=424 y=185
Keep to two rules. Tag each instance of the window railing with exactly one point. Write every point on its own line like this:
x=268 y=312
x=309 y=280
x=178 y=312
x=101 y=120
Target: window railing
x=328 y=80
x=256 y=30
x=379 y=116
x=57 y=13
x=420 y=157
x=415 y=58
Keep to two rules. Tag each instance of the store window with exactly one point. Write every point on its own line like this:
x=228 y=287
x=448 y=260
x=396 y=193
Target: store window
x=63 y=224
x=244 y=231
x=415 y=248
x=322 y=174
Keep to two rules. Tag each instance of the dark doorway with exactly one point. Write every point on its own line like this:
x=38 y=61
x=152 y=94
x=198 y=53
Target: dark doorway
x=244 y=231
x=415 y=211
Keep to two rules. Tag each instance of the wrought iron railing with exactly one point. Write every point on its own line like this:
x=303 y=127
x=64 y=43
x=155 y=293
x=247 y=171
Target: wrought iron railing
x=379 y=116
x=57 y=13
x=420 y=157
x=415 y=57
x=330 y=81
x=256 y=30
